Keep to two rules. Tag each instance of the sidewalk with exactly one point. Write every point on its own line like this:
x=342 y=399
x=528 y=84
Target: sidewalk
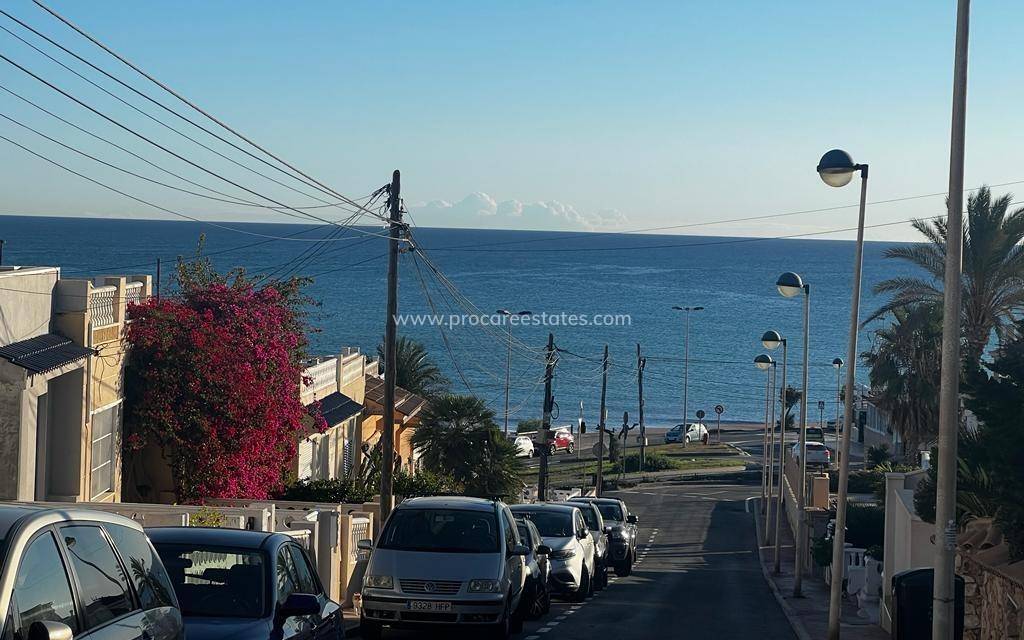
x=808 y=615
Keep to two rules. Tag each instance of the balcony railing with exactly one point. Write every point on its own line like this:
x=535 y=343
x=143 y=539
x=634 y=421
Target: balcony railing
x=133 y=292
x=101 y=306
x=323 y=374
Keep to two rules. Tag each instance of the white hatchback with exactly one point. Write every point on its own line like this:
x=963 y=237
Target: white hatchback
x=524 y=446
x=693 y=433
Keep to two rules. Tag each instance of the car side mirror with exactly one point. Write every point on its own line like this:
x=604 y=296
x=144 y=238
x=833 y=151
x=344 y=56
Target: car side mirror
x=582 y=534
x=299 y=604
x=519 y=550
x=543 y=550
x=632 y=519
x=49 y=630
x=607 y=528
x=365 y=544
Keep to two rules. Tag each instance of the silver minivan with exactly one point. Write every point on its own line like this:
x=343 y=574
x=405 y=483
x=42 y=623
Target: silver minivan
x=445 y=560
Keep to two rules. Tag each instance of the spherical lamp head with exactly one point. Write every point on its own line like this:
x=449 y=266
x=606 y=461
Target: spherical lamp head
x=771 y=339
x=836 y=168
x=790 y=284
x=763 y=361
x=837 y=363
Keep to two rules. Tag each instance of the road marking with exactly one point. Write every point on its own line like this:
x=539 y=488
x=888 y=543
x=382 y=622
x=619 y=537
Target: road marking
x=543 y=629
x=531 y=637
x=553 y=623
x=562 y=617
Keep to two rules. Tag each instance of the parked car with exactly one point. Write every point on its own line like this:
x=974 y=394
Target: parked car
x=686 y=434
x=599 y=533
x=120 y=586
x=536 y=600
x=524 y=446
x=561 y=440
x=572 y=549
x=623 y=535
x=818 y=454
x=815 y=434
x=234 y=583
x=445 y=560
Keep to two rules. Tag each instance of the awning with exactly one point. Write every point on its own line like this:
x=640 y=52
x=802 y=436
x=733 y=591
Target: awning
x=337 y=407
x=44 y=353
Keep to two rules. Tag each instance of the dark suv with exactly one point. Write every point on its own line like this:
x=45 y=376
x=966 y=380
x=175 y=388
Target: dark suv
x=623 y=534
x=83 y=574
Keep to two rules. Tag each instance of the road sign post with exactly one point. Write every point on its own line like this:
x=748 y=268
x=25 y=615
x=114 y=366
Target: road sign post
x=719 y=409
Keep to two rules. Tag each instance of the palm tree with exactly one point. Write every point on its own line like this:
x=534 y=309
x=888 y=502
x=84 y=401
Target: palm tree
x=416 y=371
x=993 y=270
x=458 y=437
x=904 y=372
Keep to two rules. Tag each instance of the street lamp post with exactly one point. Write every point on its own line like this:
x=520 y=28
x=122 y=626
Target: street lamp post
x=836 y=169
x=772 y=340
x=508 y=360
x=686 y=360
x=791 y=285
x=765 y=363
x=837 y=363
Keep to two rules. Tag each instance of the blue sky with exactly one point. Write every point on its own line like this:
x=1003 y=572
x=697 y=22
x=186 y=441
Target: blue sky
x=549 y=115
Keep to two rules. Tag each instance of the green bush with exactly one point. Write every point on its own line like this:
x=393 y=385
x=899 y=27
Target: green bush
x=877 y=454
x=526 y=426
x=859 y=481
x=821 y=551
x=865 y=525
x=340 y=490
x=423 y=483
x=652 y=462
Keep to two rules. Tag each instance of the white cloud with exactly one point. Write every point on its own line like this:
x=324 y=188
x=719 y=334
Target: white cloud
x=480 y=210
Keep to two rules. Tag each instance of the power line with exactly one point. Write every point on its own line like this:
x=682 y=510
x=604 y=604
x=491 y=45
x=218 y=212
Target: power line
x=190 y=103
x=162 y=147
x=147 y=115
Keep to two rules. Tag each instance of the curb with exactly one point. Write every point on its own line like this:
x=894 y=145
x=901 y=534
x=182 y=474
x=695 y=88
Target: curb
x=743 y=453
x=794 y=620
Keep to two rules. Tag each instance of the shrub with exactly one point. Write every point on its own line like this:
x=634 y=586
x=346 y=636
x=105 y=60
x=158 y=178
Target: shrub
x=336 y=490
x=652 y=462
x=423 y=483
x=526 y=426
x=821 y=551
x=206 y=517
x=877 y=454
x=865 y=525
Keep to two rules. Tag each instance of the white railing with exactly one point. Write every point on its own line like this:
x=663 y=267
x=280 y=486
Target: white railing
x=133 y=293
x=360 y=530
x=322 y=374
x=101 y=306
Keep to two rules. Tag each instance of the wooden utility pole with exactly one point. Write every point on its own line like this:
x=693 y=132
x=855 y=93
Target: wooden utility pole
x=640 y=364
x=599 y=478
x=545 y=427
x=387 y=438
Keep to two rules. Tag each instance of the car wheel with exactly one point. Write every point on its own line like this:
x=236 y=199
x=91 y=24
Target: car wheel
x=552 y=450
x=603 y=582
x=624 y=568
x=585 y=587
x=535 y=596
x=370 y=630
x=704 y=438
x=571 y=449
x=503 y=629
x=687 y=440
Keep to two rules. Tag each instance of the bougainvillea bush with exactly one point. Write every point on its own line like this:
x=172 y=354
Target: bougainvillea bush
x=213 y=379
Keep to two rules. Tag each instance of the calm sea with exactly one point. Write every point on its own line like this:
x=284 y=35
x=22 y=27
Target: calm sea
x=641 y=276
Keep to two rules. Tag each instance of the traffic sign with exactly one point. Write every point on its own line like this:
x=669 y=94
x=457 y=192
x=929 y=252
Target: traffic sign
x=700 y=414
x=719 y=409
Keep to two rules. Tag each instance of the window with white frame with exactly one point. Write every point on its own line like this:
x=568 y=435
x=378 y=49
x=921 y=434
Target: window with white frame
x=106 y=425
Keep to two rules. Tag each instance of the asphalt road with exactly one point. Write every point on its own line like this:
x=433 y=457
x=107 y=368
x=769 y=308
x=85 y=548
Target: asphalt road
x=698 y=577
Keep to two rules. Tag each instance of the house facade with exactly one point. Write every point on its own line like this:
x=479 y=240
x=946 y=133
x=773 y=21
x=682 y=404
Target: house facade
x=62 y=356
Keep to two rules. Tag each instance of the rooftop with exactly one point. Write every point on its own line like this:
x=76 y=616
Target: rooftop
x=44 y=353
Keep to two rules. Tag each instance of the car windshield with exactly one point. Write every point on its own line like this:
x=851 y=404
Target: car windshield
x=611 y=512
x=589 y=517
x=441 y=531
x=550 y=524
x=219 y=582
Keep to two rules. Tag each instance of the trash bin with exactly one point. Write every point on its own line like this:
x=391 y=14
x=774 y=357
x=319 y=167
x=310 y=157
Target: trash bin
x=912 y=605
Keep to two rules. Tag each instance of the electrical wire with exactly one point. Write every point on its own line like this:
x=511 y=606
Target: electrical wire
x=189 y=103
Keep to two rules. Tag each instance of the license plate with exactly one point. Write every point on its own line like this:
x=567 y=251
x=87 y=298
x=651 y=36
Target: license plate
x=429 y=605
